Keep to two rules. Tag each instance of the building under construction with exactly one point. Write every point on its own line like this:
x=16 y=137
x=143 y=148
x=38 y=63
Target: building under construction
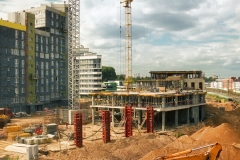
x=176 y=96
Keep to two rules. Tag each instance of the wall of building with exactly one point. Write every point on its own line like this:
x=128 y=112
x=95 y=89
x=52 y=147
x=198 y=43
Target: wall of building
x=12 y=66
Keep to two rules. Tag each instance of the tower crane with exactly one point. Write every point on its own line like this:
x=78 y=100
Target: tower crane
x=73 y=43
x=128 y=42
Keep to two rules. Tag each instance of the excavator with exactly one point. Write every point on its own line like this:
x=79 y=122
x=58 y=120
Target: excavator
x=212 y=154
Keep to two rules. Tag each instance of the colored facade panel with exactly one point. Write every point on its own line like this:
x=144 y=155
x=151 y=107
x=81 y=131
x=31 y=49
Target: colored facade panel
x=12 y=25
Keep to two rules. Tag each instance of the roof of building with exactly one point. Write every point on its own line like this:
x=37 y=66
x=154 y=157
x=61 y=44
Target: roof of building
x=176 y=72
x=12 y=25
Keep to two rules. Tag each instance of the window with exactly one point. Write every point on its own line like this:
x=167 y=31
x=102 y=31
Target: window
x=52 y=15
x=23 y=35
x=41 y=48
x=52 y=63
x=57 y=16
x=47 y=56
x=22 y=99
x=46 y=40
x=23 y=72
x=41 y=55
x=37 y=47
x=41 y=39
x=52 y=72
x=42 y=65
x=52 y=88
x=36 y=38
x=23 y=90
x=46 y=64
x=47 y=73
x=41 y=89
x=23 y=44
x=22 y=52
x=16 y=62
x=16 y=33
x=52 y=22
x=52 y=55
x=52 y=39
x=16 y=43
x=42 y=73
x=47 y=49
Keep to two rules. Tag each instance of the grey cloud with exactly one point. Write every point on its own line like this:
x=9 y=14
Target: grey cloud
x=172 y=21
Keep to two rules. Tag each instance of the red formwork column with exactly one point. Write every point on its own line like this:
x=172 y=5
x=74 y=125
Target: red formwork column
x=106 y=126
x=78 y=139
x=150 y=120
x=128 y=121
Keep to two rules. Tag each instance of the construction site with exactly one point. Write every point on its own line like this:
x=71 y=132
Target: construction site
x=169 y=116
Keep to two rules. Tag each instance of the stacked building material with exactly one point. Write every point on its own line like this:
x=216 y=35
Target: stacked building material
x=13 y=131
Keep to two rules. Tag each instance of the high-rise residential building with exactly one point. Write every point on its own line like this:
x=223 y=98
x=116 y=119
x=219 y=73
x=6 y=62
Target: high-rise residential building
x=33 y=49
x=88 y=66
x=12 y=65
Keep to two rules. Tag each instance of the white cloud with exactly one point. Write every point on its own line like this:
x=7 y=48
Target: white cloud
x=167 y=35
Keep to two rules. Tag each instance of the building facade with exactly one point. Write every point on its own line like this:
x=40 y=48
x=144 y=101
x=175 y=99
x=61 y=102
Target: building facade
x=35 y=58
x=12 y=65
x=88 y=67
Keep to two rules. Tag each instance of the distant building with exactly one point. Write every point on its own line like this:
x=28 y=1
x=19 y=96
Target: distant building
x=226 y=83
x=88 y=65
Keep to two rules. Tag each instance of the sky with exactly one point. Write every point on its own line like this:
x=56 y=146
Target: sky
x=167 y=35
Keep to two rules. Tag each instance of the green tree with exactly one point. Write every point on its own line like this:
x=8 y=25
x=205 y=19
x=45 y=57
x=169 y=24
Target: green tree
x=120 y=77
x=108 y=73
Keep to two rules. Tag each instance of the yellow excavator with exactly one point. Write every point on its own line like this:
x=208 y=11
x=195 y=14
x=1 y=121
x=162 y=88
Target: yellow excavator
x=212 y=154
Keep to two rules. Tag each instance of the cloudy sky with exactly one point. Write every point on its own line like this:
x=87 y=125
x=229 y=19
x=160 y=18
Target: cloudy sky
x=167 y=34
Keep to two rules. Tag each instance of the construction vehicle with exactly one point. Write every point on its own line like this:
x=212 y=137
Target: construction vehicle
x=6 y=111
x=4 y=119
x=212 y=154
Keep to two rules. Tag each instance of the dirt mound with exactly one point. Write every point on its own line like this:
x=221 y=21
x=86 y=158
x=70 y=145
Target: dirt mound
x=224 y=134
x=183 y=143
x=128 y=148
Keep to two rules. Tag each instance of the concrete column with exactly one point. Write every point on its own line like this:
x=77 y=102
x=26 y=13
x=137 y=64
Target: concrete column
x=176 y=101
x=188 y=100
x=188 y=122
x=139 y=117
x=139 y=102
x=113 y=117
x=197 y=98
x=163 y=102
x=163 y=121
x=93 y=116
x=176 y=118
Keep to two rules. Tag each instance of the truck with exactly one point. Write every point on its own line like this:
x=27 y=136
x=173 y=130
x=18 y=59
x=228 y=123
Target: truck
x=5 y=116
x=7 y=112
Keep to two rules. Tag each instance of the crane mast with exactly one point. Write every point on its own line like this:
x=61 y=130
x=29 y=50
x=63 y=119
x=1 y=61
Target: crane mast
x=128 y=42
x=73 y=43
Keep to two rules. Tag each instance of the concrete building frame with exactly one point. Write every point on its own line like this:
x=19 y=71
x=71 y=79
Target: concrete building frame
x=180 y=108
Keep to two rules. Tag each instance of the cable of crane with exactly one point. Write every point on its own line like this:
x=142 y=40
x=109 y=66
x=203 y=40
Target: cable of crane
x=120 y=40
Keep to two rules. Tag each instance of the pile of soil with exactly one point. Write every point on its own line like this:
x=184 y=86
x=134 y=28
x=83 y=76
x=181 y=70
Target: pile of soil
x=128 y=148
x=224 y=134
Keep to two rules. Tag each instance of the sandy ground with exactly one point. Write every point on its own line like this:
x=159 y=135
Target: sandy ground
x=220 y=126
